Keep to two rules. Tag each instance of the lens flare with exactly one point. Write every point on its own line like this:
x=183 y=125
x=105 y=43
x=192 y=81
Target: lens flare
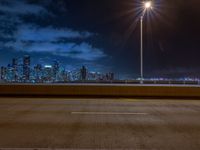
x=147 y=4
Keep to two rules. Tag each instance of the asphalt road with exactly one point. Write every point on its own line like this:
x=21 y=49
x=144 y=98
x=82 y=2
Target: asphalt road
x=99 y=124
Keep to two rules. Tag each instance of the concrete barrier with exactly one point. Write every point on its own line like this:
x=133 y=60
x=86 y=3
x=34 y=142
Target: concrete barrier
x=100 y=90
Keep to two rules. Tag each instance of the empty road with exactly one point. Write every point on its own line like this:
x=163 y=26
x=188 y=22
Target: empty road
x=99 y=124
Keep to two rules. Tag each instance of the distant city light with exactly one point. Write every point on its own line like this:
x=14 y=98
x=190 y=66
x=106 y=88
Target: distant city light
x=24 y=72
x=47 y=66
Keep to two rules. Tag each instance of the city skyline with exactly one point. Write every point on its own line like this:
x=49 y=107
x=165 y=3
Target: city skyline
x=103 y=34
x=21 y=70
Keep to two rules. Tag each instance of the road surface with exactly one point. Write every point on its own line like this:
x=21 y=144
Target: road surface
x=99 y=124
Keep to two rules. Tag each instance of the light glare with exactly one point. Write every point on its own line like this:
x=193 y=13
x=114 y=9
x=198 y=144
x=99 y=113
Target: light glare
x=147 y=4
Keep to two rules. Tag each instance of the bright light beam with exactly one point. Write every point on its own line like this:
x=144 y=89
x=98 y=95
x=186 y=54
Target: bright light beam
x=148 y=4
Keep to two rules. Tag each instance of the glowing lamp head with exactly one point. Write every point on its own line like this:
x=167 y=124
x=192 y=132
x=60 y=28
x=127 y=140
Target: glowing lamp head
x=148 y=4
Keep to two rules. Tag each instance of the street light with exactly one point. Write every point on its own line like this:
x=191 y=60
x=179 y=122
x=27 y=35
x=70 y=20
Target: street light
x=147 y=6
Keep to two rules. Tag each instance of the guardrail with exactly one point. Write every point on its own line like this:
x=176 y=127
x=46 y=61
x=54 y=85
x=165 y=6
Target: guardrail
x=165 y=82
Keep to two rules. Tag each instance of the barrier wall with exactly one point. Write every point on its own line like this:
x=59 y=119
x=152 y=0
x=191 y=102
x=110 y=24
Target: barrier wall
x=101 y=90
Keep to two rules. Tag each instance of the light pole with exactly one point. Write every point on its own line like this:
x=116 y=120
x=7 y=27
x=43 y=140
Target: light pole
x=147 y=5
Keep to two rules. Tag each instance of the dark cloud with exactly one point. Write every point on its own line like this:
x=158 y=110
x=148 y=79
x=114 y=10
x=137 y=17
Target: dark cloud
x=30 y=37
x=20 y=7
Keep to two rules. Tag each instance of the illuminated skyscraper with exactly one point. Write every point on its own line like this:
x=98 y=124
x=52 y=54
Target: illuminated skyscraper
x=9 y=73
x=3 y=73
x=26 y=68
x=56 y=68
x=38 y=73
x=15 y=69
x=47 y=74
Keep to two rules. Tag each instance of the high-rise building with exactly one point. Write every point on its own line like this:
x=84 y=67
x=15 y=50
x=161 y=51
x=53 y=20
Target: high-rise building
x=15 y=69
x=26 y=68
x=83 y=73
x=47 y=73
x=38 y=73
x=109 y=76
x=9 y=73
x=112 y=76
x=14 y=62
x=64 y=76
x=3 y=73
x=56 y=68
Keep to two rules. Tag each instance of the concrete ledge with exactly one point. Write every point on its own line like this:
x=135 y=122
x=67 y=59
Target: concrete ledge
x=100 y=90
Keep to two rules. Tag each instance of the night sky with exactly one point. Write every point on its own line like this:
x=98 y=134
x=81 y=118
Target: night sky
x=104 y=35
